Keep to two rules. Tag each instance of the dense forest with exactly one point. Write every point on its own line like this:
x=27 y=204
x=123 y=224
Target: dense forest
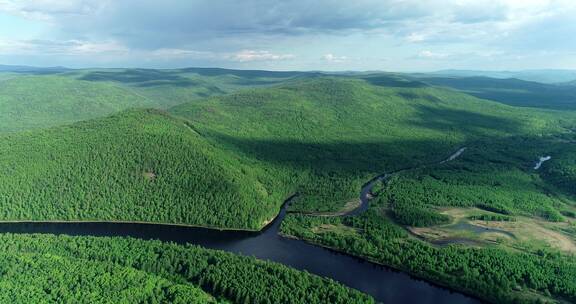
x=497 y=176
x=134 y=166
x=494 y=274
x=328 y=136
x=33 y=102
x=61 y=269
x=228 y=160
x=42 y=99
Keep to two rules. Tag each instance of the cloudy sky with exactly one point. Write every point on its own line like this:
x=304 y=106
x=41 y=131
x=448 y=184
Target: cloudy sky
x=393 y=35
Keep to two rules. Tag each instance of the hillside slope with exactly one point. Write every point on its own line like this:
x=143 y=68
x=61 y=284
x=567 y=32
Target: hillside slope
x=33 y=102
x=325 y=137
x=488 y=222
x=172 y=87
x=549 y=76
x=134 y=166
x=513 y=92
x=230 y=161
x=36 y=99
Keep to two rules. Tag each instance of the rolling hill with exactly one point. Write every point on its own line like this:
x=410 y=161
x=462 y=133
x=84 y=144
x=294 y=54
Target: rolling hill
x=140 y=165
x=229 y=160
x=31 y=69
x=172 y=87
x=40 y=98
x=33 y=102
x=328 y=136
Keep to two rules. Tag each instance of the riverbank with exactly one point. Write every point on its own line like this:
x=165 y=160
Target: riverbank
x=133 y=222
x=266 y=224
x=494 y=274
x=383 y=283
x=468 y=292
x=349 y=207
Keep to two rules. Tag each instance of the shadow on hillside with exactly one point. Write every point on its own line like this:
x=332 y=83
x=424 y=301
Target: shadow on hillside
x=178 y=78
x=408 y=95
x=392 y=81
x=512 y=91
x=455 y=126
x=340 y=156
x=486 y=162
x=143 y=78
x=472 y=124
x=250 y=74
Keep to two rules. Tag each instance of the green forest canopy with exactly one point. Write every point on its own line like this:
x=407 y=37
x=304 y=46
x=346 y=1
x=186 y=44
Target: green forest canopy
x=48 y=269
x=230 y=161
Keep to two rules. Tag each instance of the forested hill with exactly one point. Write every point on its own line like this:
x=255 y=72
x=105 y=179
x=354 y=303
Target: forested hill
x=327 y=136
x=231 y=161
x=434 y=221
x=33 y=102
x=40 y=98
x=332 y=110
x=134 y=166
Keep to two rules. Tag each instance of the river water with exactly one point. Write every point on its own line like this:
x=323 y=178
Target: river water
x=384 y=284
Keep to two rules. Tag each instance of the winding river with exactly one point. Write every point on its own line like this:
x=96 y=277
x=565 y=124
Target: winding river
x=384 y=284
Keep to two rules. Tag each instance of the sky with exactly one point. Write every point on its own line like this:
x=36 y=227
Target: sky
x=330 y=35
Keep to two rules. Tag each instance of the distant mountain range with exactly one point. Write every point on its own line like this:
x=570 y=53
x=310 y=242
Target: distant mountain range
x=31 y=69
x=510 y=91
x=543 y=76
x=549 y=76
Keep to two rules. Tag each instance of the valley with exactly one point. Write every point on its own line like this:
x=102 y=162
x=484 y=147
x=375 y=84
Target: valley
x=447 y=185
x=287 y=152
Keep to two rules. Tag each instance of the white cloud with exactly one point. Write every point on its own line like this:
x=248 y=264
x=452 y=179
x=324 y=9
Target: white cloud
x=252 y=55
x=65 y=47
x=84 y=47
x=182 y=53
x=48 y=10
x=333 y=58
x=427 y=54
x=416 y=37
x=12 y=46
x=255 y=33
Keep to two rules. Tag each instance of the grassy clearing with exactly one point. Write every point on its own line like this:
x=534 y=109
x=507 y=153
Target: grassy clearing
x=339 y=229
x=495 y=179
x=524 y=233
x=494 y=273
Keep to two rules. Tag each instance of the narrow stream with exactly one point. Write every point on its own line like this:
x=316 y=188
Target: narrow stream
x=541 y=160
